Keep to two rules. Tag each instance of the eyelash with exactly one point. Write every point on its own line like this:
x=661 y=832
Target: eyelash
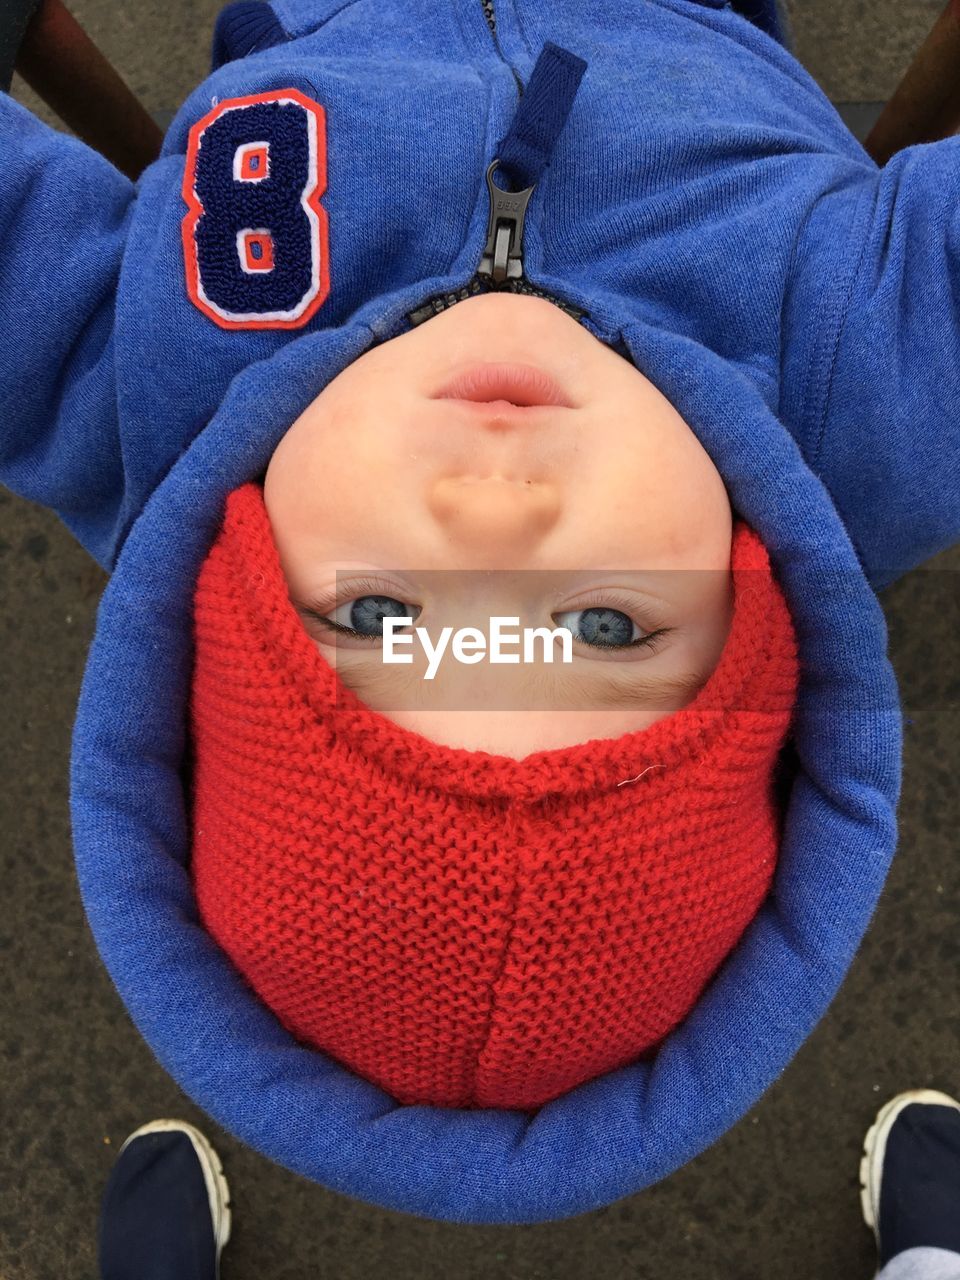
x=600 y=599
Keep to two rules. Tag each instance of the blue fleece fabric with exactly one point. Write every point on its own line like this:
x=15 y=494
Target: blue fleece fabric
x=707 y=210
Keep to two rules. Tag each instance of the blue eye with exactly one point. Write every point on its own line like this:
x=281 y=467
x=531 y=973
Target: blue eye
x=602 y=628
x=596 y=626
x=365 y=614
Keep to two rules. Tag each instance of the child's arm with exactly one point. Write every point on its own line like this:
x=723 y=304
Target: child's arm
x=887 y=440
x=64 y=214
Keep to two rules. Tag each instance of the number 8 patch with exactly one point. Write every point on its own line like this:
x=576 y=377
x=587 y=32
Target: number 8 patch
x=255 y=242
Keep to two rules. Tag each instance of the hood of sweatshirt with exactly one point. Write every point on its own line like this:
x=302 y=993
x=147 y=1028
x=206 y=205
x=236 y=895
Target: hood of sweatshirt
x=672 y=178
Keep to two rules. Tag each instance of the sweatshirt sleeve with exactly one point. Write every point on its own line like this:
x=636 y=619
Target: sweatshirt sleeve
x=887 y=443
x=64 y=213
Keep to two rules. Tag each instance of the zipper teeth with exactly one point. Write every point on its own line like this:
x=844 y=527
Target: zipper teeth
x=443 y=301
x=524 y=286
x=489 y=15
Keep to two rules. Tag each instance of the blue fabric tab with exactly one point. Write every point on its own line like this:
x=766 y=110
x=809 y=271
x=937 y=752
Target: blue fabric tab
x=541 y=115
x=242 y=28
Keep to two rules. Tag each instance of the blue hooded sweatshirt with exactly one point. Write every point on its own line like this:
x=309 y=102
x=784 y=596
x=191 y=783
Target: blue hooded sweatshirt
x=666 y=172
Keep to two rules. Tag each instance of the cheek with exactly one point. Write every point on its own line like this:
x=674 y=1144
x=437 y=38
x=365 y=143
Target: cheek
x=642 y=509
x=666 y=506
x=659 y=479
x=321 y=471
x=334 y=489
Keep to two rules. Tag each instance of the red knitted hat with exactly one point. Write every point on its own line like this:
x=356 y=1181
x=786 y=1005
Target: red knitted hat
x=465 y=929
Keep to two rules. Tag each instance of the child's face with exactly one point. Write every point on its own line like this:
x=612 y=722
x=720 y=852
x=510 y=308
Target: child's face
x=613 y=501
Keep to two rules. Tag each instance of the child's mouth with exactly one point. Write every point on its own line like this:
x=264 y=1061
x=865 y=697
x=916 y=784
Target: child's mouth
x=511 y=386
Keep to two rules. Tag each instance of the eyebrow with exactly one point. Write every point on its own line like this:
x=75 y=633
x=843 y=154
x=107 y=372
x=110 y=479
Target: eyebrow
x=583 y=690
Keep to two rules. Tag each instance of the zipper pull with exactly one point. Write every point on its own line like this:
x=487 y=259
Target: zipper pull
x=503 y=253
x=525 y=153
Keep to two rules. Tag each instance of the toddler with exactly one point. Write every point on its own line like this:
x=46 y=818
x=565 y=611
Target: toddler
x=479 y=897
x=240 y=383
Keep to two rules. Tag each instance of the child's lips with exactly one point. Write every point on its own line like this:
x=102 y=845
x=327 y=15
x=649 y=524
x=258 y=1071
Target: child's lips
x=506 y=388
x=500 y=410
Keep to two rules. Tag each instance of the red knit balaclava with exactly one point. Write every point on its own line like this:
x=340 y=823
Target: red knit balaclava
x=464 y=929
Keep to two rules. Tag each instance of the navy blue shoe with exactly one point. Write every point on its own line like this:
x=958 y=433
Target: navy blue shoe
x=165 y=1213
x=910 y=1174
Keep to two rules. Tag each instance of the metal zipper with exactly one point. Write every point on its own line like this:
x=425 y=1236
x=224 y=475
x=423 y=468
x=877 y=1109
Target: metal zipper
x=501 y=267
x=442 y=302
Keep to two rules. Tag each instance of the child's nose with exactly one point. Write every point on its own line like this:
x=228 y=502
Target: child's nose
x=493 y=519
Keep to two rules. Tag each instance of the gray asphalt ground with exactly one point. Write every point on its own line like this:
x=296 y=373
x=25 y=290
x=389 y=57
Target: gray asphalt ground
x=776 y=1197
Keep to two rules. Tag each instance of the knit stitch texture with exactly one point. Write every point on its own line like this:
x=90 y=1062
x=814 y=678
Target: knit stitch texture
x=465 y=929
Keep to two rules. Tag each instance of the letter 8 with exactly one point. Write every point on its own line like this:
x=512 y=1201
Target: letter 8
x=255 y=239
